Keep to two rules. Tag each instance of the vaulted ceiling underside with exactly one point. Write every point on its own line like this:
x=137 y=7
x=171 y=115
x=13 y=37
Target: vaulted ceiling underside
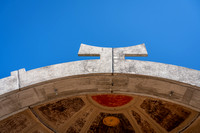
x=104 y=103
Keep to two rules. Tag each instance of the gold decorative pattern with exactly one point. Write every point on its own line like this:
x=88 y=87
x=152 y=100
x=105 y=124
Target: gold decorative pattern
x=111 y=121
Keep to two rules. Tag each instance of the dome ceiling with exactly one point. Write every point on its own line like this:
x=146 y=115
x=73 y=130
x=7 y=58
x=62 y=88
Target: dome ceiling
x=97 y=113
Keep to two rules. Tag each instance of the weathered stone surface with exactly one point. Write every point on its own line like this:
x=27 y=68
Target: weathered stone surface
x=188 y=95
x=120 y=53
x=166 y=71
x=10 y=83
x=195 y=100
x=111 y=61
x=194 y=127
x=17 y=101
x=9 y=104
x=156 y=87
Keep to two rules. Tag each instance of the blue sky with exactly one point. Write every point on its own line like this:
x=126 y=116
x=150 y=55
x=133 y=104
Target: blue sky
x=38 y=33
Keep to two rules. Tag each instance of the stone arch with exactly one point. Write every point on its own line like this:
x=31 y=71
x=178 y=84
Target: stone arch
x=54 y=88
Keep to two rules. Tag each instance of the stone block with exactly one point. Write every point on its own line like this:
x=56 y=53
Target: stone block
x=10 y=83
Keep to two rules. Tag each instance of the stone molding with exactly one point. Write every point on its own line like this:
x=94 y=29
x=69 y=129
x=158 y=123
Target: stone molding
x=112 y=60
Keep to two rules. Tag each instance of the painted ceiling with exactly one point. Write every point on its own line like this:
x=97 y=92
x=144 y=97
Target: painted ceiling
x=103 y=113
